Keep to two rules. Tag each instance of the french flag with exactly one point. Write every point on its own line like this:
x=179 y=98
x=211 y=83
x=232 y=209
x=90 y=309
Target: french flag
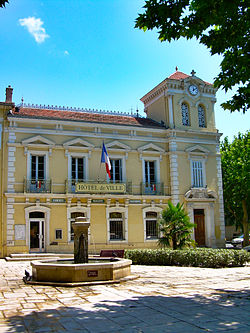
x=105 y=159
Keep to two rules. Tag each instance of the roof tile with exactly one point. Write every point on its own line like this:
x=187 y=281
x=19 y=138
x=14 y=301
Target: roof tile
x=84 y=117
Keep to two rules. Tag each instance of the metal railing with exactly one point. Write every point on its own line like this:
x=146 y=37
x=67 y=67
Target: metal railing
x=37 y=186
x=71 y=186
x=152 y=188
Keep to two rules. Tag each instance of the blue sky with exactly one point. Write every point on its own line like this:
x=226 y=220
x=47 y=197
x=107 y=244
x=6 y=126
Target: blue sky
x=86 y=53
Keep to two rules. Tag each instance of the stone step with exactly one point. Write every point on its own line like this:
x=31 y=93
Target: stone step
x=30 y=259
x=36 y=256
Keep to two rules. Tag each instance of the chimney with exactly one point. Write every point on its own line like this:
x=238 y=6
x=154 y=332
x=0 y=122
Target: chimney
x=9 y=92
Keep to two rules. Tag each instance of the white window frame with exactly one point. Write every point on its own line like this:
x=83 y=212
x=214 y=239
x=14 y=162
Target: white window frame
x=123 y=161
x=157 y=210
x=124 y=212
x=46 y=164
x=157 y=168
x=202 y=160
x=85 y=164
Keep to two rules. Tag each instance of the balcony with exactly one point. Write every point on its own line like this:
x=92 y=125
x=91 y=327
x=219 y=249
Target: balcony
x=93 y=187
x=97 y=187
x=37 y=186
x=152 y=189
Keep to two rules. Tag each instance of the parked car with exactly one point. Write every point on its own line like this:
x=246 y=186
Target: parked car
x=247 y=248
x=237 y=241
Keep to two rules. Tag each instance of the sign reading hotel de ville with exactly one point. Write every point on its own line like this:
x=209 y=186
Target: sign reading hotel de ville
x=100 y=188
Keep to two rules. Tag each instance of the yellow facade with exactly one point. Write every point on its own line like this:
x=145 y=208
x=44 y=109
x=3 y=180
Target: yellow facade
x=170 y=155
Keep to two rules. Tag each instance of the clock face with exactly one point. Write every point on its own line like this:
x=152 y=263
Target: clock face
x=193 y=89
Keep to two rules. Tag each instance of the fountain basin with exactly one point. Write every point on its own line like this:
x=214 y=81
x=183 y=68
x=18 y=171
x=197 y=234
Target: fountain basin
x=65 y=271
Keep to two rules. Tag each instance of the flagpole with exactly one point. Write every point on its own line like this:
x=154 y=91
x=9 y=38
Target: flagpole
x=100 y=166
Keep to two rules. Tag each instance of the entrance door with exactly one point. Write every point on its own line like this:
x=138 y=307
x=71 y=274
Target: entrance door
x=199 y=231
x=37 y=236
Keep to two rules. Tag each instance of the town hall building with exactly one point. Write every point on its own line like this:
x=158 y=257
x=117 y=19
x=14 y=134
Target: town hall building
x=51 y=171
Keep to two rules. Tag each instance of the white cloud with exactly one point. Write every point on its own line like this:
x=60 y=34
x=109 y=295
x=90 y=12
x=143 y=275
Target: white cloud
x=34 y=26
x=66 y=52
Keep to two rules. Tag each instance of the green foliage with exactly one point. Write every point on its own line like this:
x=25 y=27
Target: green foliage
x=220 y=25
x=202 y=257
x=235 y=163
x=175 y=227
x=3 y=3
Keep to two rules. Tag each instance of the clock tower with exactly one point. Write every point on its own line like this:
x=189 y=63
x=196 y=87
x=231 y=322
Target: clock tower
x=182 y=101
x=184 y=104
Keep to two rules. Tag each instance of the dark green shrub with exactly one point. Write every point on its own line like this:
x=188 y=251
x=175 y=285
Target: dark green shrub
x=213 y=258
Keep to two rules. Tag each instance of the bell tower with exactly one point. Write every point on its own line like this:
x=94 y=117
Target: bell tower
x=182 y=101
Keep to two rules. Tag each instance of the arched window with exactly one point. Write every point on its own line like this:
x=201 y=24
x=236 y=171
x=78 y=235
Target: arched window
x=36 y=215
x=116 y=226
x=185 y=114
x=201 y=116
x=151 y=225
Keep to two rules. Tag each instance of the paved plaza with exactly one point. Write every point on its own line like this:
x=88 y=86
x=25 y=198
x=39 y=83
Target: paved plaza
x=163 y=299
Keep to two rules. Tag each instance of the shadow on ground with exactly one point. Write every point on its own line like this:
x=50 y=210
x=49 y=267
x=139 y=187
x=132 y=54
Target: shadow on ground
x=226 y=311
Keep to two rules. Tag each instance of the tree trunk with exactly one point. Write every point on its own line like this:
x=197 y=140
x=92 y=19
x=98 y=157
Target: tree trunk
x=245 y=224
x=174 y=243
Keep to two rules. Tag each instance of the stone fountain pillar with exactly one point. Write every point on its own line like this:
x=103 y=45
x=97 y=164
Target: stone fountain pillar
x=80 y=228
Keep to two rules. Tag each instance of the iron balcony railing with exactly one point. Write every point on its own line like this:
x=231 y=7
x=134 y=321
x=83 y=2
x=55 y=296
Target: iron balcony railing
x=152 y=188
x=98 y=187
x=37 y=185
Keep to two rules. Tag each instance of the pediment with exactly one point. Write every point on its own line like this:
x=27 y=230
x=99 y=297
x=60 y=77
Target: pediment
x=38 y=140
x=194 y=79
x=117 y=145
x=150 y=147
x=197 y=149
x=78 y=142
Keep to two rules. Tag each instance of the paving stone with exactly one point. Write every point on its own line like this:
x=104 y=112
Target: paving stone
x=164 y=299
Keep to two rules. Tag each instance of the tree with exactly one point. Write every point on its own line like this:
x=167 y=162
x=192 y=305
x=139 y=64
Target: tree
x=175 y=227
x=220 y=25
x=3 y=3
x=235 y=162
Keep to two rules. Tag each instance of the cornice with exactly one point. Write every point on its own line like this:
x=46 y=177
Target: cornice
x=83 y=124
x=174 y=86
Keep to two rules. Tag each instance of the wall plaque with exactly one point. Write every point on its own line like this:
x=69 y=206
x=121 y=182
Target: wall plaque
x=20 y=232
x=92 y=273
x=100 y=188
x=134 y=201
x=97 y=201
x=58 y=200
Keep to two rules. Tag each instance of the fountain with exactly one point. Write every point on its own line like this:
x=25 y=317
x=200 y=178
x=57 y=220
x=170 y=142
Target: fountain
x=83 y=269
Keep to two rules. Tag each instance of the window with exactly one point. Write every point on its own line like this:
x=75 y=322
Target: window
x=36 y=215
x=150 y=177
x=77 y=168
x=72 y=220
x=201 y=116
x=58 y=233
x=197 y=174
x=151 y=225
x=116 y=226
x=185 y=114
x=37 y=167
x=116 y=170
x=37 y=174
